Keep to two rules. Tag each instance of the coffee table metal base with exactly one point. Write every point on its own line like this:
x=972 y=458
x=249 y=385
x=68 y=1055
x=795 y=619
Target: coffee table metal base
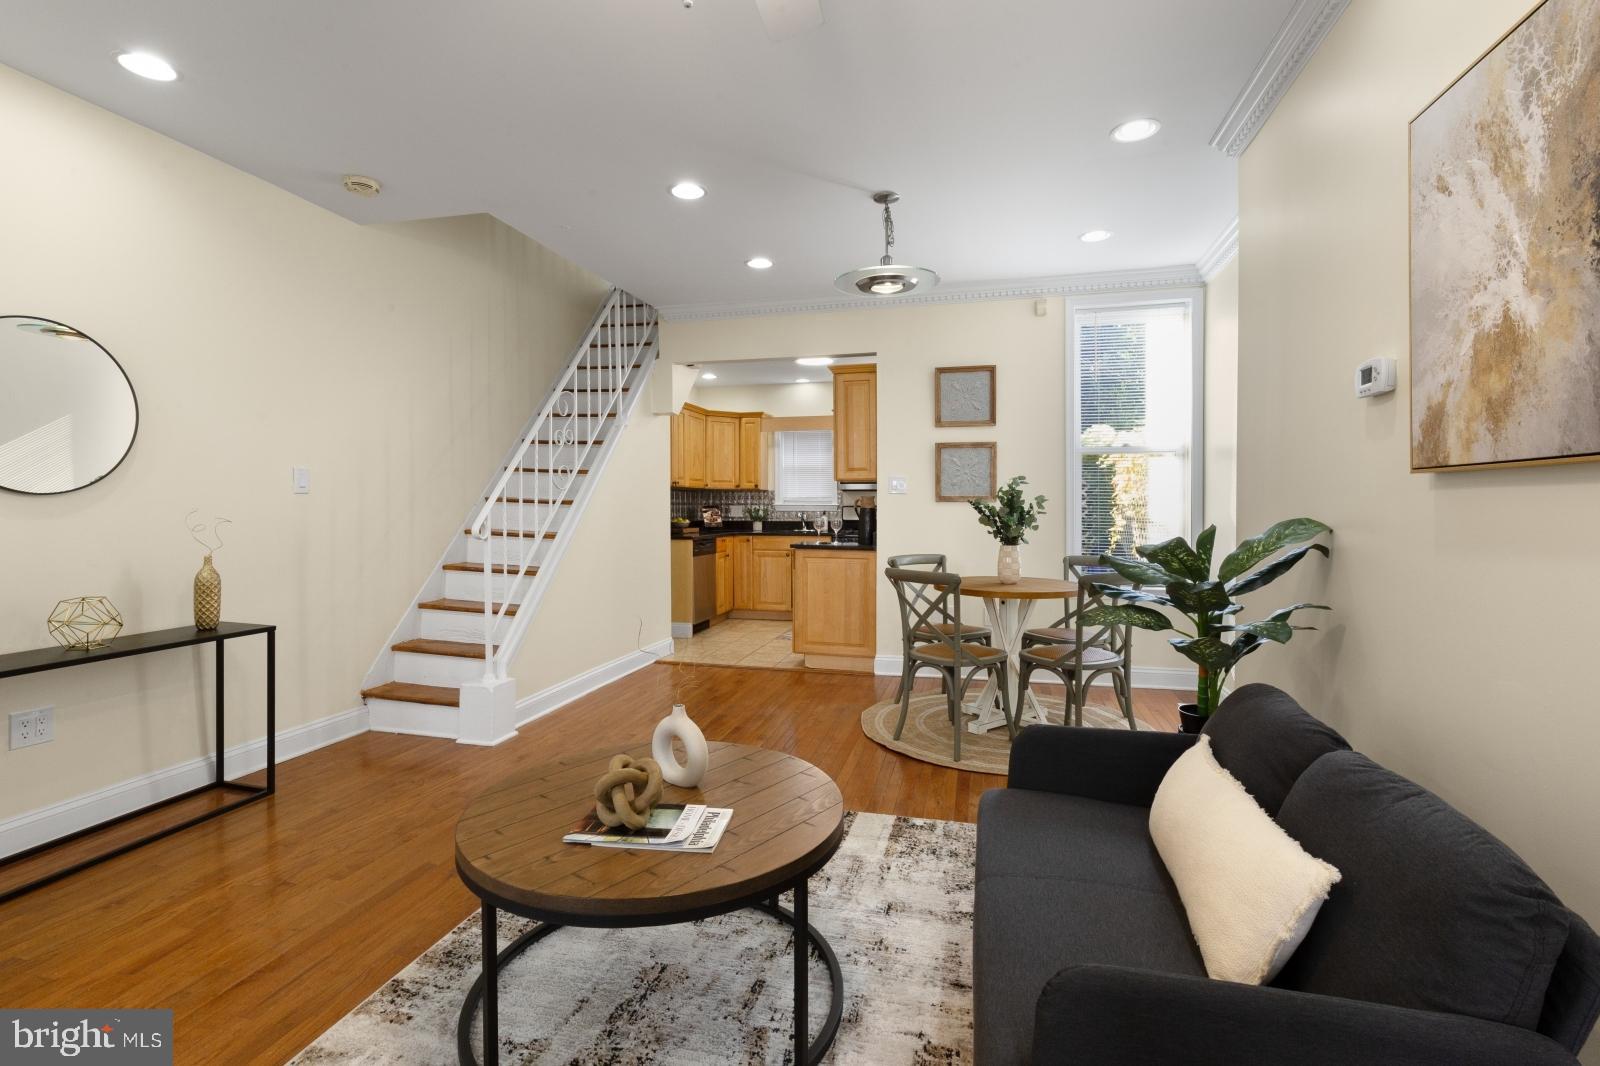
x=805 y=1052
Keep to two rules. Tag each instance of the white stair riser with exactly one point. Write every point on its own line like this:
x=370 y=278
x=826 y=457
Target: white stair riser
x=551 y=454
x=510 y=551
x=529 y=516
x=459 y=625
x=467 y=585
x=423 y=719
x=449 y=670
x=541 y=486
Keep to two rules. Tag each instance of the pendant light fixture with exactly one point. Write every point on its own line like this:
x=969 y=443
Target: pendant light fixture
x=888 y=278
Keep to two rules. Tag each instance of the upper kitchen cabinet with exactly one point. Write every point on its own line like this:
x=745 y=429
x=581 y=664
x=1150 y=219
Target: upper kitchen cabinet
x=691 y=437
x=752 y=456
x=722 y=451
x=717 y=449
x=855 y=423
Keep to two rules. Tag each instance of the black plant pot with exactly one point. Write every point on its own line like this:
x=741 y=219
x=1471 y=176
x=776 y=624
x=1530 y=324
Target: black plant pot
x=1190 y=720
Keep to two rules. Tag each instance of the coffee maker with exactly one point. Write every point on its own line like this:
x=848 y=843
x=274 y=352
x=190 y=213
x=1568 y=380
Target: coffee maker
x=866 y=509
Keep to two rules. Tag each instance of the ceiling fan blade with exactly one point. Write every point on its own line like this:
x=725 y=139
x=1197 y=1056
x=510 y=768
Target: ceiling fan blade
x=785 y=18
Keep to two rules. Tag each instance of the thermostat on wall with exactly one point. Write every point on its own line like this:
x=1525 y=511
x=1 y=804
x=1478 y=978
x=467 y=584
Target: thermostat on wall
x=1375 y=376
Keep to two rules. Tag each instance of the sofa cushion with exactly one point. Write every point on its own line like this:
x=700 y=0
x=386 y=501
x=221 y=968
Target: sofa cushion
x=1063 y=880
x=1265 y=739
x=1433 y=912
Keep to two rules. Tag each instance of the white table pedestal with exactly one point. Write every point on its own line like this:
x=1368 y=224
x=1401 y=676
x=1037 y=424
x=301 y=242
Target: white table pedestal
x=1008 y=619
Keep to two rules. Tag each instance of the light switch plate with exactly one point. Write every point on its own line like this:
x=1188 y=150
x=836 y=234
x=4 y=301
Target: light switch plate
x=32 y=727
x=897 y=485
x=302 y=480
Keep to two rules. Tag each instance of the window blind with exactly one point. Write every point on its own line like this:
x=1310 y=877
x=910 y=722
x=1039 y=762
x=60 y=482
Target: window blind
x=804 y=464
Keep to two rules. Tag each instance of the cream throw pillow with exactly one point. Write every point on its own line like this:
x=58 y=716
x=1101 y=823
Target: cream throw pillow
x=1250 y=891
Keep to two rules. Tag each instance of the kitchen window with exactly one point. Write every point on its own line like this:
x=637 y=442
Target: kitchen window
x=803 y=469
x=1133 y=440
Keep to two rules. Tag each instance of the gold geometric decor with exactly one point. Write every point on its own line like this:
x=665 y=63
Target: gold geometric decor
x=84 y=623
x=1505 y=252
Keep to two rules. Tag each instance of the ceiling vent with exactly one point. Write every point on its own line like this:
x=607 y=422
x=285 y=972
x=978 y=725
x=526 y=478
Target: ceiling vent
x=362 y=185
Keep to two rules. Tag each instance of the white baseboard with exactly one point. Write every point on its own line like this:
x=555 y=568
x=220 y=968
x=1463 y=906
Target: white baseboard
x=1143 y=676
x=558 y=695
x=37 y=826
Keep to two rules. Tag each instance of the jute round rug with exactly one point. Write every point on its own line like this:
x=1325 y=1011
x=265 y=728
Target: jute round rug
x=927 y=733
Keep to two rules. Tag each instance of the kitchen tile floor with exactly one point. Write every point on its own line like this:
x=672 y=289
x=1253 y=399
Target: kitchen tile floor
x=740 y=642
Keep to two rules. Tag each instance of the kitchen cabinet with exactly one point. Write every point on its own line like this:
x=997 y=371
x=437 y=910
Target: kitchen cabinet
x=743 y=574
x=693 y=439
x=855 y=423
x=676 y=422
x=835 y=607
x=724 y=575
x=770 y=567
x=722 y=451
x=752 y=456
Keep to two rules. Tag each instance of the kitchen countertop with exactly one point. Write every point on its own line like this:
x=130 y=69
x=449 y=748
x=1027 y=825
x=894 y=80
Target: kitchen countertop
x=835 y=545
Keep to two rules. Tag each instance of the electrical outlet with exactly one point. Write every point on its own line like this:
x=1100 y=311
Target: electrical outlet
x=28 y=728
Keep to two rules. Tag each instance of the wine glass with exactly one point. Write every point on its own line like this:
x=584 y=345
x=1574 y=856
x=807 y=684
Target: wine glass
x=836 y=522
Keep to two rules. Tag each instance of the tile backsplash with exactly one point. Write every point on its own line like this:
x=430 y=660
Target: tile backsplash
x=686 y=503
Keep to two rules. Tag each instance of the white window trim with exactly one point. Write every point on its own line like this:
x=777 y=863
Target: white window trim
x=774 y=464
x=1195 y=301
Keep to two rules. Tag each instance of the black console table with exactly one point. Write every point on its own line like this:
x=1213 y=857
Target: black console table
x=33 y=662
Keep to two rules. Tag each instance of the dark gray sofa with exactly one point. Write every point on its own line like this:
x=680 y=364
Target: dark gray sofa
x=1439 y=946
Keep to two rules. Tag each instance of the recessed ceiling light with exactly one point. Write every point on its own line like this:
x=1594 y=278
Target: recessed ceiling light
x=1095 y=236
x=760 y=262
x=147 y=66
x=708 y=376
x=802 y=381
x=1137 y=129
x=688 y=190
x=815 y=360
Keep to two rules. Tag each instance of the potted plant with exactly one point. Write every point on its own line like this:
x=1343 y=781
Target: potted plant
x=1178 y=577
x=1008 y=520
x=757 y=513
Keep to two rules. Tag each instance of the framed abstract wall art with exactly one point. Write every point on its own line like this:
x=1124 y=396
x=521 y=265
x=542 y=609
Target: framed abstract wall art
x=964 y=471
x=1505 y=252
x=963 y=396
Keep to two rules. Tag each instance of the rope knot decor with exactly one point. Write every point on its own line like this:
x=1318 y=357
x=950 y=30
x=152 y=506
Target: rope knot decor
x=627 y=792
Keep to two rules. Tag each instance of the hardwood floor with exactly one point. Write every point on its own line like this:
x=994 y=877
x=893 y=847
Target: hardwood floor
x=262 y=928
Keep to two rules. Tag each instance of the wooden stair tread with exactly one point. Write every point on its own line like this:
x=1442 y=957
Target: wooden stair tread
x=407 y=692
x=458 y=649
x=463 y=606
x=477 y=568
x=530 y=499
x=584 y=414
x=526 y=533
x=625 y=388
x=548 y=470
x=572 y=443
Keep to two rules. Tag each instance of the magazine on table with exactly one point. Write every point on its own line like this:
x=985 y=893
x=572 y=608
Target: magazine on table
x=692 y=827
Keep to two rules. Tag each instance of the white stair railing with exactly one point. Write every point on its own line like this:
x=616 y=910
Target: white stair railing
x=563 y=438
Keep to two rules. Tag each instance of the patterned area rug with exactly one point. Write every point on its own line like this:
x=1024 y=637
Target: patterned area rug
x=928 y=736
x=895 y=902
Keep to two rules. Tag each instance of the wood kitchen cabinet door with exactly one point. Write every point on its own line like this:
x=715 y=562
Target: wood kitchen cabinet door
x=676 y=478
x=693 y=433
x=771 y=567
x=752 y=456
x=724 y=577
x=722 y=452
x=855 y=423
x=834 y=607
x=744 y=582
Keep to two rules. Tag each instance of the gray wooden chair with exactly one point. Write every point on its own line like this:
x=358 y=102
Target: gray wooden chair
x=977 y=634
x=1090 y=652
x=927 y=599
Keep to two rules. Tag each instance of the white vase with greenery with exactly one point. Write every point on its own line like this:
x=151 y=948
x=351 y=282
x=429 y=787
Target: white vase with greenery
x=1008 y=519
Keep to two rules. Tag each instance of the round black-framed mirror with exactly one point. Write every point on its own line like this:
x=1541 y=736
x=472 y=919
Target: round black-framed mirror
x=68 y=412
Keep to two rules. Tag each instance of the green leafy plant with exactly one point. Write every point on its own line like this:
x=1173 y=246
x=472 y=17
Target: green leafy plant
x=1011 y=516
x=1183 y=573
x=756 y=512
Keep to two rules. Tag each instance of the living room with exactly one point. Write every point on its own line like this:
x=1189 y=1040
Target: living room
x=335 y=601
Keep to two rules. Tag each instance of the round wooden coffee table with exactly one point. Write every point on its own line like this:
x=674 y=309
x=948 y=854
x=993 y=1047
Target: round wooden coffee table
x=1008 y=607
x=788 y=819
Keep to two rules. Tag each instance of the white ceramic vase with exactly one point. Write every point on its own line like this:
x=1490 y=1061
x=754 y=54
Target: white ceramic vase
x=1010 y=565
x=688 y=773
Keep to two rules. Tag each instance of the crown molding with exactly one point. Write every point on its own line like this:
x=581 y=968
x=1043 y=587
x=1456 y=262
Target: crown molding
x=1288 y=53
x=1221 y=252
x=1172 y=277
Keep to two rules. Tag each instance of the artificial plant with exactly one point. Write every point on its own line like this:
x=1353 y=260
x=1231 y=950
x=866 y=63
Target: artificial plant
x=1178 y=577
x=1011 y=515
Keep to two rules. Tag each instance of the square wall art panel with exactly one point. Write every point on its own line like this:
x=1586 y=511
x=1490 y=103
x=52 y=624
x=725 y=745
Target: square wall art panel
x=1505 y=252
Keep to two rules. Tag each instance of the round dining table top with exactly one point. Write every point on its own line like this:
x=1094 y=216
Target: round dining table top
x=1028 y=588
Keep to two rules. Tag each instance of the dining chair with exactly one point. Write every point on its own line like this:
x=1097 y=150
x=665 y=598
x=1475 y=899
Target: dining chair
x=977 y=634
x=1080 y=570
x=1092 y=651
x=927 y=598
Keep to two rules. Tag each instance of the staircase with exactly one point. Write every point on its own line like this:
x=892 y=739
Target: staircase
x=462 y=632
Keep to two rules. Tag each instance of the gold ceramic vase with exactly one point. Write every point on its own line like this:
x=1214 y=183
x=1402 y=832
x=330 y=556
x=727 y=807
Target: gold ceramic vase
x=207 y=596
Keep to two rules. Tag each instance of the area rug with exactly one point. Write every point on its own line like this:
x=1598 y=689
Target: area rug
x=927 y=735
x=895 y=902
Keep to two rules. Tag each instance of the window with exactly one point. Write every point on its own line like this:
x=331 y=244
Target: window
x=1134 y=426
x=803 y=465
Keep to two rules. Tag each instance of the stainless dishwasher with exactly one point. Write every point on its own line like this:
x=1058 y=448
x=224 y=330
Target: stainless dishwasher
x=705 y=581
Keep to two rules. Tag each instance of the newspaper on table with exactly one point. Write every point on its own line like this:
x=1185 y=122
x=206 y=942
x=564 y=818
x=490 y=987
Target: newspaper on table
x=692 y=828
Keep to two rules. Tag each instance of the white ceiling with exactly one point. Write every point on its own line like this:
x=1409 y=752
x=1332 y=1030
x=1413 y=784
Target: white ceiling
x=733 y=373
x=568 y=119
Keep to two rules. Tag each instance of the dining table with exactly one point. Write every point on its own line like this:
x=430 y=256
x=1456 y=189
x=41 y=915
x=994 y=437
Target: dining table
x=1008 y=606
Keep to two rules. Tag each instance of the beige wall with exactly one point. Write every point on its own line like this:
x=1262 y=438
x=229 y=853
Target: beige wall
x=1459 y=650
x=780 y=401
x=1222 y=406
x=261 y=332
x=1030 y=353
